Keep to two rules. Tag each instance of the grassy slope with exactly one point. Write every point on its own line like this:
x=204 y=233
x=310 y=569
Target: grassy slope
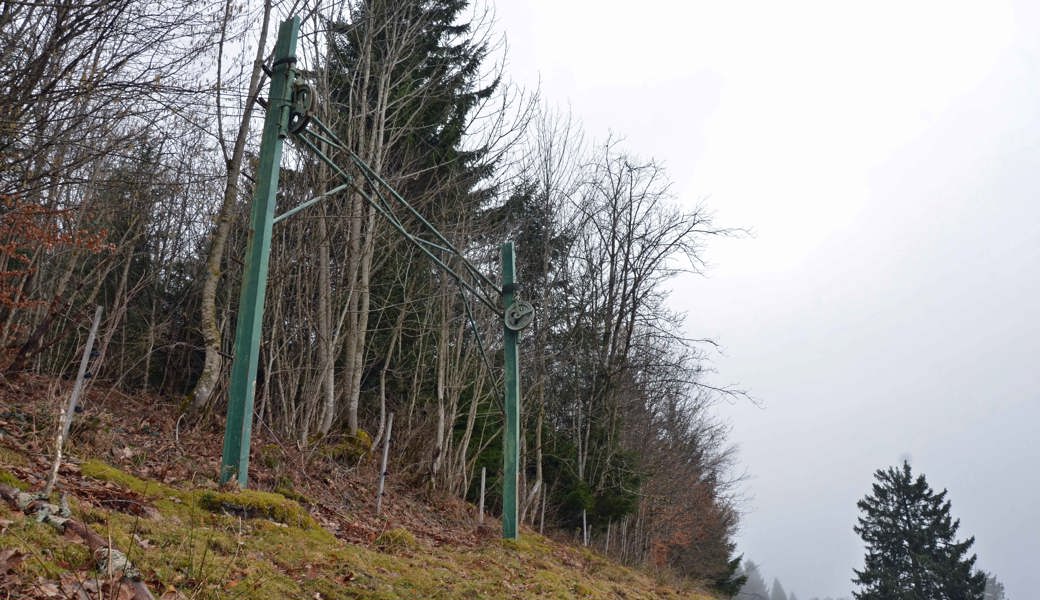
x=204 y=543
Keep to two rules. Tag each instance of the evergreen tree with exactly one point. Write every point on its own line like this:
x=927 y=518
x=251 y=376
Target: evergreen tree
x=994 y=589
x=730 y=582
x=912 y=551
x=425 y=133
x=755 y=586
x=777 y=592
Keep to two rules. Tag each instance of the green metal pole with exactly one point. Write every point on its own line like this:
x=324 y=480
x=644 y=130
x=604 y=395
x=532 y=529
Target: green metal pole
x=235 y=461
x=511 y=438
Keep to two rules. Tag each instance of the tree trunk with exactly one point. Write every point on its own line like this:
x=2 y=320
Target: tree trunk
x=211 y=335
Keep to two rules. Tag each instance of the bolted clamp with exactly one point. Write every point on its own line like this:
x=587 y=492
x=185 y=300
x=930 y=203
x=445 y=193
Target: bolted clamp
x=302 y=106
x=519 y=315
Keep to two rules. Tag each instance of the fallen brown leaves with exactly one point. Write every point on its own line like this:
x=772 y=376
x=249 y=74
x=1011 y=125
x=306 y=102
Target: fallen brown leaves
x=75 y=585
x=146 y=437
x=10 y=559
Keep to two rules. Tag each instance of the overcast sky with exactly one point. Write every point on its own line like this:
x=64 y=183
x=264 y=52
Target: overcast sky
x=887 y=156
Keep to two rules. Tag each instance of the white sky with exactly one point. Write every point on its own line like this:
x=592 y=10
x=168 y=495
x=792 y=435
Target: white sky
x=886 y=155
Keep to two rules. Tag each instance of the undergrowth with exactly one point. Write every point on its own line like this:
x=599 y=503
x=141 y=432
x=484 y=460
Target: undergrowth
x=214 y=544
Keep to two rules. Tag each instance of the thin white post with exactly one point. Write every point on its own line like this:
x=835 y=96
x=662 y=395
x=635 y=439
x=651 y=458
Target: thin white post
x=382 y=468
x=483 y=478
x=541 y=521
x=70 y=409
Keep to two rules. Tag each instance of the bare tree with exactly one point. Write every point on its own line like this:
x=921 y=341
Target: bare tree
x=234 y=158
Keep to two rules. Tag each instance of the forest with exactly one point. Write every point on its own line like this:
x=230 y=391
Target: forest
x=129 y=137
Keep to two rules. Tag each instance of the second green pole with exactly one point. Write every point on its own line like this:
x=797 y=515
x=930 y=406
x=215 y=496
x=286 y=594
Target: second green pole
x=511 y=437
x=238 y=431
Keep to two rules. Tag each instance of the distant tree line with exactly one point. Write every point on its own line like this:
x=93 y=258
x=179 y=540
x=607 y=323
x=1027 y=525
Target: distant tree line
x=754 y=585
x=128 y=138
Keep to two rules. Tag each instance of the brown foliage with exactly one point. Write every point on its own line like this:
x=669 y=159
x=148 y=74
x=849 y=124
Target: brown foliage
x=31 y=233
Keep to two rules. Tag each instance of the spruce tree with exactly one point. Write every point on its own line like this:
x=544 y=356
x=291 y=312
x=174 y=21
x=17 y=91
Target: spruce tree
x=754 y=585
x=777 y=592
x=732 y=580
x=912 y=551
x=437 y=88
x=994 y=589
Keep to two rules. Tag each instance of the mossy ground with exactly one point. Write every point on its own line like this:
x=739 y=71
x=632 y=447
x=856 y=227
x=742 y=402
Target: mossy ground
x=8 y=478
x=223 y=545
x=313 y=536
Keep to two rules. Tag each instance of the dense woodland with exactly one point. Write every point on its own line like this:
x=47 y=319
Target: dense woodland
x=128 y=134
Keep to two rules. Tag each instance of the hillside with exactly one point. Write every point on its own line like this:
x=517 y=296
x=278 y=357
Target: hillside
x=145 y=482
x=342 y=225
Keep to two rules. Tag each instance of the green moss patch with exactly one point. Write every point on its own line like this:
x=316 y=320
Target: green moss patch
x=292 y=494
x=12 y=458
x=251 y=504
x=8 y=478
x=95 y=469
x=352 y=448
x=396 y=540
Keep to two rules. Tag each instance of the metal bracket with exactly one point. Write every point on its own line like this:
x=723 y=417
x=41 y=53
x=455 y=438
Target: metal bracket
x=302 y=106
x=519 y=315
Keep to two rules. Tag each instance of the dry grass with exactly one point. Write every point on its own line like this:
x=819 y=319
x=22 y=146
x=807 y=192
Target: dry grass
x=146 y=483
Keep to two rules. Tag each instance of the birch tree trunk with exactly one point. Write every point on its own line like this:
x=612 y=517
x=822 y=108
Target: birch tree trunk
x=202 y=395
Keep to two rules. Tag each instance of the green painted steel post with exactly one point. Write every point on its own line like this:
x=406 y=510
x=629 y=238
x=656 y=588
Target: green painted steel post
x=235 y=461
x=511 y=438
